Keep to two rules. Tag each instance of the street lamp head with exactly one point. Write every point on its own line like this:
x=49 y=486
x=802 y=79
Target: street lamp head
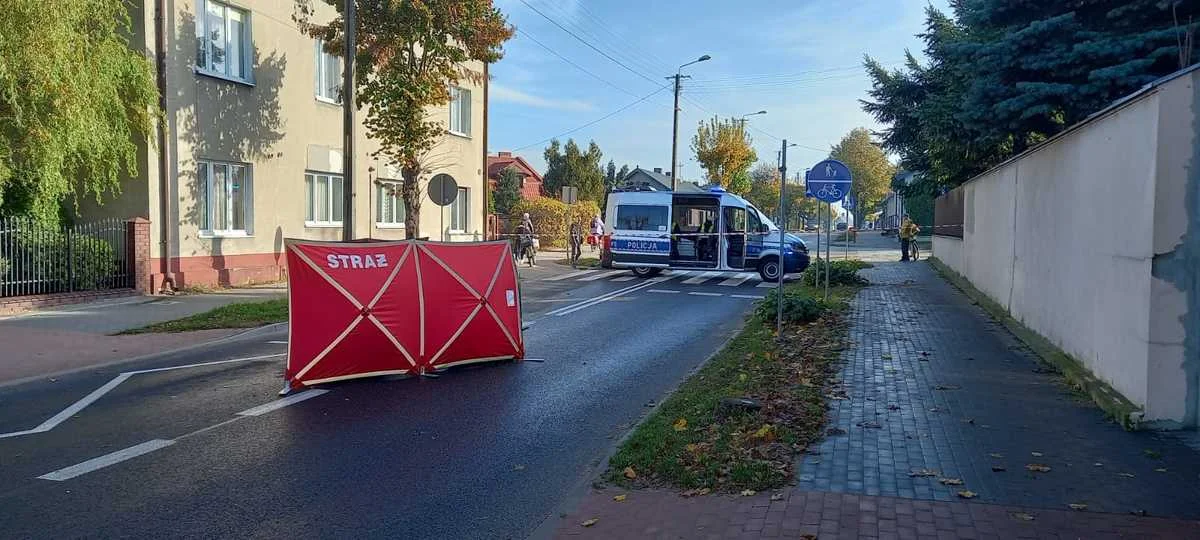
x=761 y=112
x=703 y=58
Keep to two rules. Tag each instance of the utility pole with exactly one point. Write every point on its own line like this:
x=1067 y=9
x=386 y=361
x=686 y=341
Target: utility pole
x=349 y=21
x=782 y=233
x=675 y=133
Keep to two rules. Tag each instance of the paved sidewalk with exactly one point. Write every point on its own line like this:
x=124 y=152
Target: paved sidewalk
x=69 y=337
x=936 y=390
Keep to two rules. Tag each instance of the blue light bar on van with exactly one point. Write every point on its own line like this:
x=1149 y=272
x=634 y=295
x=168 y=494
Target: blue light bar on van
x=717 y=189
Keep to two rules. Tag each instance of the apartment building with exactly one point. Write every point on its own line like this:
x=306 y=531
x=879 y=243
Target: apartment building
x=253 y=149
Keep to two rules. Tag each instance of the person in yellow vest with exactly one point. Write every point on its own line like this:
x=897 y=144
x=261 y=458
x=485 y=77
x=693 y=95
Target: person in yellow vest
x=908 y=235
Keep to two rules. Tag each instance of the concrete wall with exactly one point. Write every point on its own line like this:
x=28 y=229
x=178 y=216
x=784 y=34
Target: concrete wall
x=1067 y=235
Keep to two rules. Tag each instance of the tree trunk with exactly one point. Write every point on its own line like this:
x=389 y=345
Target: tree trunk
x=410 y=191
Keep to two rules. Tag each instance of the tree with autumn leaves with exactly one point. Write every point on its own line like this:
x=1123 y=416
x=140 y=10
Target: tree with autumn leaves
x=870 y=168
x=408 y=56
x=725 y=151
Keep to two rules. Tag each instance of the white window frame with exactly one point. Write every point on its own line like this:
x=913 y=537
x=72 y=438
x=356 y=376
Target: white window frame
x=321 y=81
x=310 y=186
x=207 y=195
x=247 y=43
x=457 y=104
x=391 y=223
x=461 y=204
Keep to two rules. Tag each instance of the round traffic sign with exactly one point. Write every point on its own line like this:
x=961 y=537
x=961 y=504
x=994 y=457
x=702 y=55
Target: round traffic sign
x=442 y=189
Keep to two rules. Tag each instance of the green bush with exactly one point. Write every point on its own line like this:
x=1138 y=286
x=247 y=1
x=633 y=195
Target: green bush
x=550 y=218
x=92 y=260
x=840 y=272
x=798 y=307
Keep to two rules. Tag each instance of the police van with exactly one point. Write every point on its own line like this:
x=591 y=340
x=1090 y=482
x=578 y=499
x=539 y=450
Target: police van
x=649 y=231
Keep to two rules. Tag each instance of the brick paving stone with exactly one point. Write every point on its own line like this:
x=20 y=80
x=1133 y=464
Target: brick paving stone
x=992 y=402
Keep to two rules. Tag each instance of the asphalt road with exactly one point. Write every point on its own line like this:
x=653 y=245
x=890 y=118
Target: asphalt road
x=482 y=452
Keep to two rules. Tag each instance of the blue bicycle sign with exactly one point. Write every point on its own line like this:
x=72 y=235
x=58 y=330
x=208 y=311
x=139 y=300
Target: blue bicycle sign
x=828 y=181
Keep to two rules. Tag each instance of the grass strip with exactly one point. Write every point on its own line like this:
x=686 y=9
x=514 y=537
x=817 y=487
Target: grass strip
x=687 y=443
x=240 y=315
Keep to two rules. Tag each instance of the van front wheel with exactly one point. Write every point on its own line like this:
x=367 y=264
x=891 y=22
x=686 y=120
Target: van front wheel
x=769 y=269
x=646 y=271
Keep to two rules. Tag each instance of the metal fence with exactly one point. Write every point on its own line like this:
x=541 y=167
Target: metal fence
x=40 y=259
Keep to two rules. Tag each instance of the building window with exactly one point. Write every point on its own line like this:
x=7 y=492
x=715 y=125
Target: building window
x=223 y=41
x=329 y=75
x=459 y=210
x=389 y=211
x=322 y=200
x=225 y=198
x=460 y=111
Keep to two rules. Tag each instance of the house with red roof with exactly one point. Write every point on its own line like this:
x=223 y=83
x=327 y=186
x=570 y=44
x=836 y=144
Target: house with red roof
x=531 y=181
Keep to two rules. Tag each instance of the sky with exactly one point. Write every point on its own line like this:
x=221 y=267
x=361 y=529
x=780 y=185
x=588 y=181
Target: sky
x=800 y=60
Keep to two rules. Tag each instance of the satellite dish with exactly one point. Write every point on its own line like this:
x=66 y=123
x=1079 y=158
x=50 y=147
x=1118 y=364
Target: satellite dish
x=442 y=189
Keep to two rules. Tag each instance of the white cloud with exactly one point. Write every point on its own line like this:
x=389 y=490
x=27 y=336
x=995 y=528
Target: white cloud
x=504 y=94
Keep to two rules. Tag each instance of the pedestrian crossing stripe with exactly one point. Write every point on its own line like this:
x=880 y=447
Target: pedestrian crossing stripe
x=686 y=277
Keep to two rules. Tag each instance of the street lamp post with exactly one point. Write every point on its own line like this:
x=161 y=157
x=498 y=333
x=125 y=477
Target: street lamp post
x=348 y=122
x=675 y=125
x=782 y=234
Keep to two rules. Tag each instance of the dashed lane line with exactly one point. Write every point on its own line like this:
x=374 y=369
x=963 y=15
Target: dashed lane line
x=706 y=294
x=662 y=291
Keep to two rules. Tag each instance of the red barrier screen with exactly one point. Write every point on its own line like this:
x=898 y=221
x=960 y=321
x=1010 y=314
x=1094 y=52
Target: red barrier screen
x=367 y=309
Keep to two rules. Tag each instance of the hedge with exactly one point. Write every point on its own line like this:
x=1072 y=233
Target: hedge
x=550 y=218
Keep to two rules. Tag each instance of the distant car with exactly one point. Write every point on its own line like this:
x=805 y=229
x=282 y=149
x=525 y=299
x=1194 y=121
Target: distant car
x=812 y=228
x=841 y=226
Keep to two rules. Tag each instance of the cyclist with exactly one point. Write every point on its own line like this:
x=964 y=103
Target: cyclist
x=908 y=235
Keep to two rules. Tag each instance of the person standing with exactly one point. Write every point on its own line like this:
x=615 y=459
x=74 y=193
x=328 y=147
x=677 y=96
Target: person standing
x=597 y=231
x=908 y=235
x=576 y=240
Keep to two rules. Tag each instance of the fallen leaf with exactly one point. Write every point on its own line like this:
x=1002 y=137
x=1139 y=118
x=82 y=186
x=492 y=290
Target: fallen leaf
x=1022 y=516
x=1037 y=467
x=766 y=431
x=945 y=387
x=777 y=496
x=742 y=377
x=1036 y=454
x=997 y=456
x=1077 y=506
x=835 y=431
x=870 y=425
x=886 y=356
x=680 y=425
x=704 y=491
x=950 y=481
x=630 y=473
x=1161 y=469
x=518 y=467
x=967 y=494
x=998 y=468
x=748 y=492
x=692 y=447
x=924 y=353
x=1125 y=474
x=1152 y=454
x=619 y=498
x=590 y=522
x=1097 y=464
x=923 y=473
x=893 y=407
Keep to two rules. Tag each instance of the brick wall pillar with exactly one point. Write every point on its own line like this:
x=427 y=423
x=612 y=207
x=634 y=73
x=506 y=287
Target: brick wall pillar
x=137 y=246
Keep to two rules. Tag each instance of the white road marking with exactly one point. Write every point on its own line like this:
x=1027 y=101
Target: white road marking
x=630 y=277
x=571 y=275
x=277 y=342
x=767 y=285
x=747 y=296
x=736 y=280
x=701 y=278
x=706 y=294
x=662 y=291
x=96 y=394
x=281 y=403
x=603 y=275
x=605 y=297
x=106 y=460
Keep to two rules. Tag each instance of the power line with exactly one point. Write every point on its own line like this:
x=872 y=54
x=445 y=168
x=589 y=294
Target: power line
x=648 y=56
x=585 y=42
x=573 y=21
x=577 y=66
x=594 y=122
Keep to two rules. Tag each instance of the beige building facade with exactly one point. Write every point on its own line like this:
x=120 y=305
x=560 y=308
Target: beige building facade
x=254 y=147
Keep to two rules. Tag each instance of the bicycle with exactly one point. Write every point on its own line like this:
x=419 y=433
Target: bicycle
x=829 y=191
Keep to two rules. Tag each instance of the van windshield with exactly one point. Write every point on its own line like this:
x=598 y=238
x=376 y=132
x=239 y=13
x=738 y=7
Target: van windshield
x=763 y=217
x=635 y=217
